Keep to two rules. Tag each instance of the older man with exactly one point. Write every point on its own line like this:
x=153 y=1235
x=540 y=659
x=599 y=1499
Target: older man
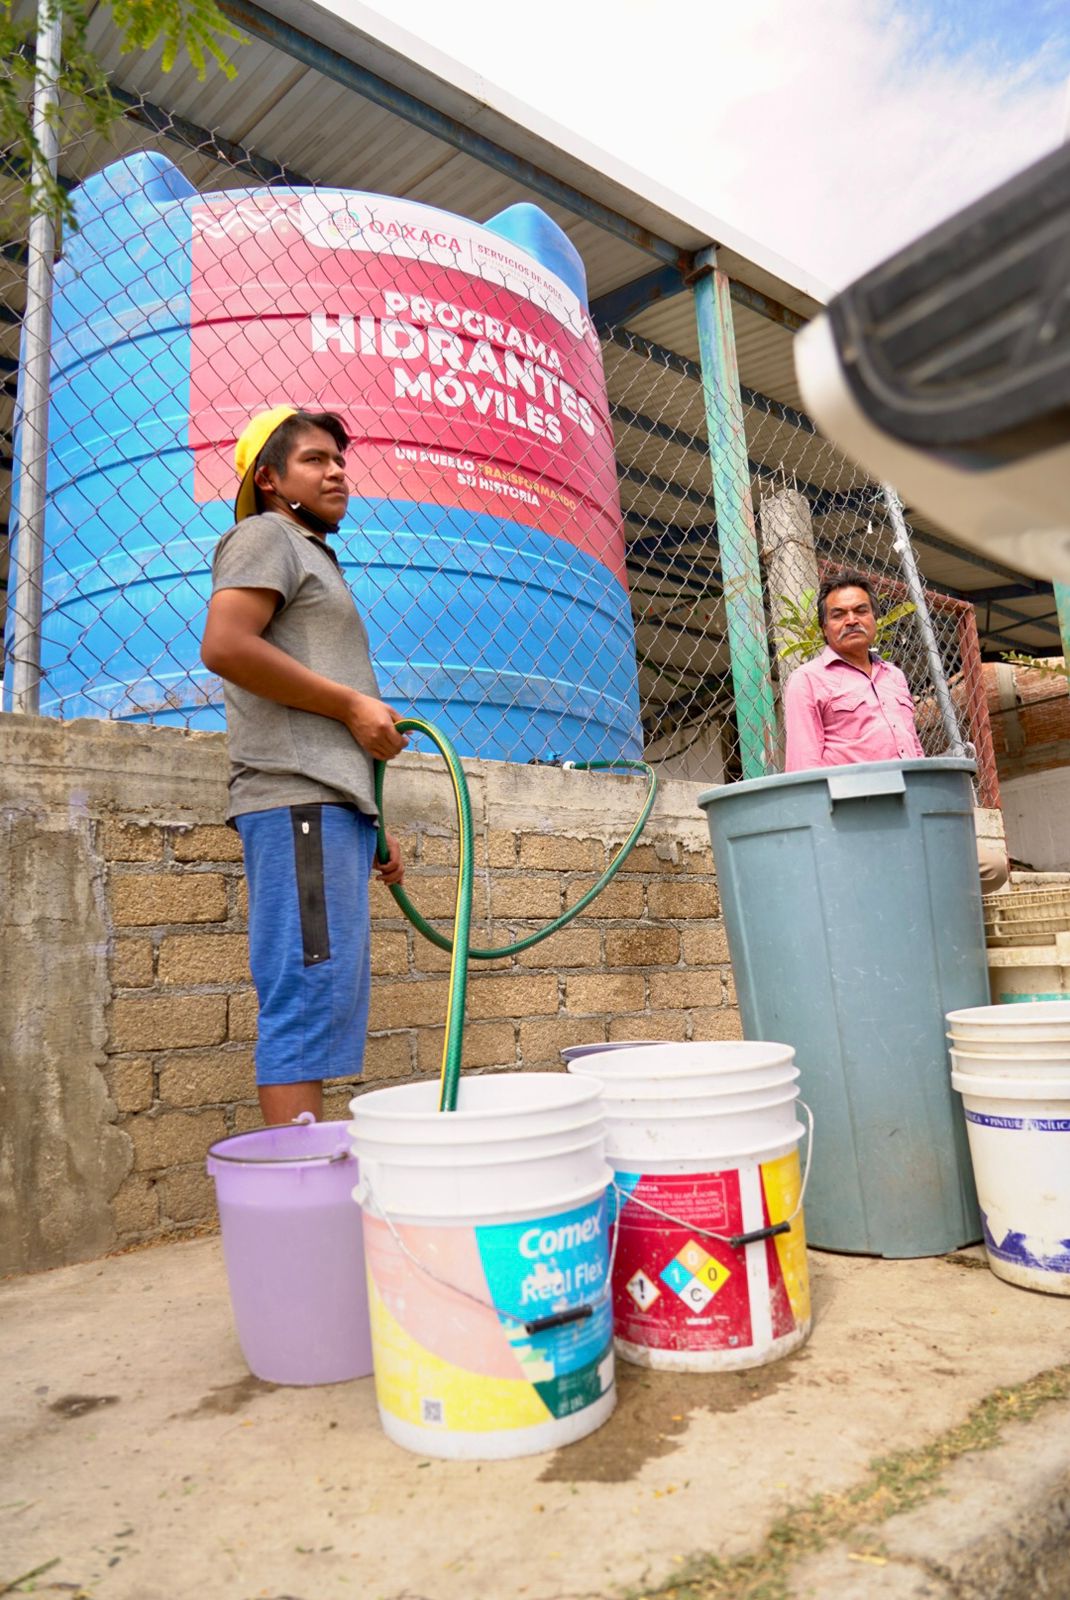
x=849 y=705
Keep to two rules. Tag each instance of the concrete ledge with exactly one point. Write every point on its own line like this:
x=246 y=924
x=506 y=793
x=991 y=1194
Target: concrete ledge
x=997 y=1529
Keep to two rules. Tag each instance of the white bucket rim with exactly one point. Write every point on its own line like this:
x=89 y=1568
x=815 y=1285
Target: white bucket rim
x=567 y=1201
x=361 y=1105
x=1010 y=1089
x=614 y=1094
x=1001 y=1016
x=585 y=1067
x=615 y=1111
x=1026 y=1039
x=393 y=1135
x=482 y=1156
x=1022 y=1056
x=736 y=1057
x=767 y=1150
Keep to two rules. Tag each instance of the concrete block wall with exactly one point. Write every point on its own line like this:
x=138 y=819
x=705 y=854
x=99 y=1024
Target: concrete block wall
x=161 y=1055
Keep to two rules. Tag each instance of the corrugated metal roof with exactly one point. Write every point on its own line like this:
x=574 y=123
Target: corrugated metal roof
x=289 y=113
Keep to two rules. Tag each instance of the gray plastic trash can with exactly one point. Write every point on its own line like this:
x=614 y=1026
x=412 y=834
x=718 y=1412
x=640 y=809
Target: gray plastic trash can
x=853 y=912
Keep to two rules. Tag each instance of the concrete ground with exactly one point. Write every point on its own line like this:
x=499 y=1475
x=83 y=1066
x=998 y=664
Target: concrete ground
x=140 y=1461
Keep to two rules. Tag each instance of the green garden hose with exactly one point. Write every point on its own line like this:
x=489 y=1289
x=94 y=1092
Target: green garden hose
x=458 y=945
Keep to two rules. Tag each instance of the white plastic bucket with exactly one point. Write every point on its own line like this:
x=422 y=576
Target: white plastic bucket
x=1019 y=1133
x=479 y=1225
x=1048 y=1020
x=703 y=1139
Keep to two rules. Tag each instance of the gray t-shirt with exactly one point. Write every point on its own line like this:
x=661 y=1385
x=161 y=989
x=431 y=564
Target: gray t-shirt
x=278 y=756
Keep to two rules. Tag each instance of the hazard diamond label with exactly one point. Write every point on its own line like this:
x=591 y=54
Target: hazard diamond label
x=704 y=1294
x=695 y=1294
x=695 y=1275
x=693 y=1257
x=642 y=1290
x=714 y=1274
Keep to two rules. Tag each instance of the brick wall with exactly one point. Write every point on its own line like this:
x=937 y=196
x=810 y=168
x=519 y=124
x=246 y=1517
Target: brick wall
x=1030 y=715
x=1032 y=734
x=648 y=959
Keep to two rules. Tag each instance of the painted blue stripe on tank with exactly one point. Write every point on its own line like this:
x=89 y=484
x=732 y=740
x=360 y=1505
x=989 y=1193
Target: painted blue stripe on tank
x=513 y=641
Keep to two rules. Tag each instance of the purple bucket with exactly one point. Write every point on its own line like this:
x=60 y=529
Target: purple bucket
x=575 y=1052
x=294 y=1252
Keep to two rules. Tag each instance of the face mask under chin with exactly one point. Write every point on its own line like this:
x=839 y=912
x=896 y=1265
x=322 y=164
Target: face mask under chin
x=310 y=520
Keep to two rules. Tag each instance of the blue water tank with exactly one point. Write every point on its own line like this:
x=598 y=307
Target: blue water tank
x=483 y=541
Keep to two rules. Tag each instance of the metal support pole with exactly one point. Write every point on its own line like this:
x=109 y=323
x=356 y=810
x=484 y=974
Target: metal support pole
x=31 y=451
x=741 y=571
x=1062 y=606
x=1062 y=590
x=916 y=590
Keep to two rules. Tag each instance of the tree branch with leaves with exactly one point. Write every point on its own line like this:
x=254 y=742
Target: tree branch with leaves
x=193 y=30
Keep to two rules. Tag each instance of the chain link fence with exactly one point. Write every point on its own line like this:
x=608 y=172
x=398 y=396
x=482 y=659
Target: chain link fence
x=812 y=512
x=533 y=536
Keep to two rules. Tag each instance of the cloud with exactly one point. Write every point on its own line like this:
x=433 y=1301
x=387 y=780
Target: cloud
x=832 y=131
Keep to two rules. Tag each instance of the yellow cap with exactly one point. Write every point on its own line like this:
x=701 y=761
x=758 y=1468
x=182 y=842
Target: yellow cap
x=257 y=432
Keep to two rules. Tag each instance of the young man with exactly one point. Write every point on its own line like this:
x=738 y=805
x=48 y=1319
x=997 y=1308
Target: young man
x=304 y=721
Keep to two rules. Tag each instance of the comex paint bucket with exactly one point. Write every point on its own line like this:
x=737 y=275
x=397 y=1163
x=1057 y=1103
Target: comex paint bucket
x=1012 y=1068
x=487 y=1242
x=710 y=1269
x=294 y=1251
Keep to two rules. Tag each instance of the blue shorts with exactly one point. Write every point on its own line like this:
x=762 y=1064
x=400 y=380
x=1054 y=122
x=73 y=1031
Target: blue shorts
x=307 y=868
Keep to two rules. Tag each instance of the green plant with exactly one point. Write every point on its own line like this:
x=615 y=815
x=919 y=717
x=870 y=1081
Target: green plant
x=798 y=620
x=195 y=29
x=1049 y=669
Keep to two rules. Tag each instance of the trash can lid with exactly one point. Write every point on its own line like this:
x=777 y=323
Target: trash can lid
x=783 y=780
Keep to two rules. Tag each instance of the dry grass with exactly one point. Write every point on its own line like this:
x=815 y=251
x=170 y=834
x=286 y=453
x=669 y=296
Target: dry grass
x=893 y=1484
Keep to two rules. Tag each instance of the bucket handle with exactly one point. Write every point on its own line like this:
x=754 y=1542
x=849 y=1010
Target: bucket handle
x=531 y=1325
x=735 y=1240
x=306 y=1119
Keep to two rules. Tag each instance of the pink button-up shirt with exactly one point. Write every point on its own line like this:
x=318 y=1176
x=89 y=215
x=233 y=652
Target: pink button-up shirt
x=834 y=714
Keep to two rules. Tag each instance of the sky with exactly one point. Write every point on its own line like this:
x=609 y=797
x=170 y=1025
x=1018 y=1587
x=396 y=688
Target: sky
x=832 y=131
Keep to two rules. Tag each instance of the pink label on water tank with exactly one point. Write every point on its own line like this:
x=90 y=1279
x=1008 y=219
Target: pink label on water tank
x=467 y=375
